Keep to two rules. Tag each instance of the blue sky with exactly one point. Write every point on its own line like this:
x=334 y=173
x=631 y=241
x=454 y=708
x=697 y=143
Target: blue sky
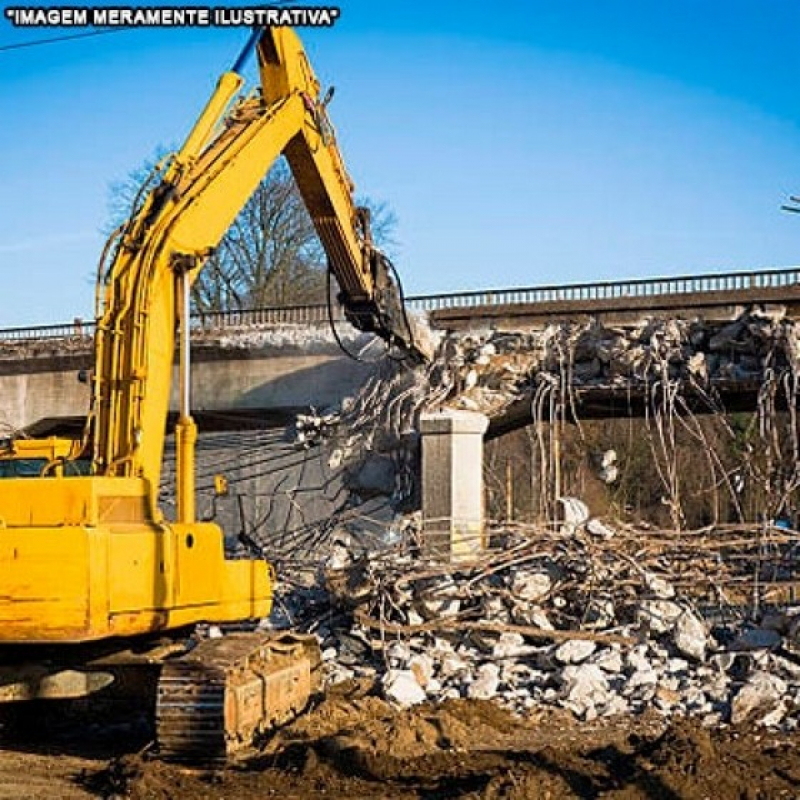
x=518 y=143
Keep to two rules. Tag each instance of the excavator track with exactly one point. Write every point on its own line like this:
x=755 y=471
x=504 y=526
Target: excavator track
x=217 y=700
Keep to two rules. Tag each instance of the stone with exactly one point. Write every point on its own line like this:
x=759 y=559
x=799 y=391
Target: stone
x=531 y=586
x=659 y=587
x=510 y=645
x=642 y=677
x=762 y=694
x=535 y=616
x=485 y=684
x=452 y=664
x=690 y=636
x=677 y=666
x=402 y=688
x=600 y=529
x=637 y=659
x=398 y=654
x=421 y=665
x=609 y=660
x=615 y=706
x=659 y=616
x=600 y=613
x=433 y=687
x=438 y=607
x=584 y=687
x=574 y=651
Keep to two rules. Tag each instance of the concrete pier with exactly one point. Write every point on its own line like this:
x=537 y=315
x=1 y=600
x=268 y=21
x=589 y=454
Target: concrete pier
x=452 y=484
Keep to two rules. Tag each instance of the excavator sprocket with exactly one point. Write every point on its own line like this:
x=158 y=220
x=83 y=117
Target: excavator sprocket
x=221 y=697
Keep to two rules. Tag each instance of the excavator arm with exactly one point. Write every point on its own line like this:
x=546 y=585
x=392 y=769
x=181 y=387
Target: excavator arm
x=162 y=248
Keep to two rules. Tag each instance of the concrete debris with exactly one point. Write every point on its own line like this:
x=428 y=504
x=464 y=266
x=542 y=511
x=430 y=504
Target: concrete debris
x=762 y=694
x=402 y=687
x=690 y=636
x=516 y=627
x=599 y=528
x=574 y=651
x=486 y=682
x=488 y=371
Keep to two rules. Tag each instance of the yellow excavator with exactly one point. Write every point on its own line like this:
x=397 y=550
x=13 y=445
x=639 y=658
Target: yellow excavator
x=93 y=577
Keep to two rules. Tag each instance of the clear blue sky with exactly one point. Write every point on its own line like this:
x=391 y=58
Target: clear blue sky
x=518 y=143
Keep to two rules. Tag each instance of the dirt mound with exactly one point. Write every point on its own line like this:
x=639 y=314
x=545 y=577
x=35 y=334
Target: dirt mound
x=354 y=745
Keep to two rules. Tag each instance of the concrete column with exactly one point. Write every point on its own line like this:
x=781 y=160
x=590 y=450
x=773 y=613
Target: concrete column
x=452 y=484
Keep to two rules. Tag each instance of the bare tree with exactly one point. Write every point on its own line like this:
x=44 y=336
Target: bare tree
x=270 y=256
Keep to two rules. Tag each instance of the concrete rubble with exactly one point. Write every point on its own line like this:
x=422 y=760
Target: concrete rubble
x=515 y=626
x=488 y=371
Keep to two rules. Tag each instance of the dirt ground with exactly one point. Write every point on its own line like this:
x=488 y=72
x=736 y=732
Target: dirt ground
x=353 y=745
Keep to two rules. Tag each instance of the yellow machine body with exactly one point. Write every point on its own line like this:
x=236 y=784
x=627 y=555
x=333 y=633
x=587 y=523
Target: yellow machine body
x=80 y=560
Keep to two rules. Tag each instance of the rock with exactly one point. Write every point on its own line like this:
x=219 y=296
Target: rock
x=658 y=587
x=433 y=688
x=600 y=529
x=400 y=686
x=510 y=645
x=421 y=665
x=609 y=660
x=452 y=664
x=642 y=677
x=574 y=651
x=485 y=685
x=600 y=613
x=757 y=639
x=690 y=636
x=615 y=706
x=398 y=654
x=531 y=586
x=761 y=695
x=637 y=659
x=585 y=686
x=677 y=666
x=438 y=607
x=534 y=616
x=659 y=616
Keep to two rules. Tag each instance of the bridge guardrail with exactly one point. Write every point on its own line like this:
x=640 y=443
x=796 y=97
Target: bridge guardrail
x=534 y=295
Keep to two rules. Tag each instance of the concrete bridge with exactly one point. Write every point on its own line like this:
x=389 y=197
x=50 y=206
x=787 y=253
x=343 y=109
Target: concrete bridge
x=270 y=362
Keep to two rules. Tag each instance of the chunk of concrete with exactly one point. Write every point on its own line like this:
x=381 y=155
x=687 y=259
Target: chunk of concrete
x=400 y=686
x=690 y=636
x=531 y=586
x=762 y=694
x=485 y=685
x=574 y=651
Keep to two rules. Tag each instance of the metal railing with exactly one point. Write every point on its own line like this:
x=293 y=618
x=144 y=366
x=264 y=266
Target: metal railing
x=768 y=279
x=610 y=290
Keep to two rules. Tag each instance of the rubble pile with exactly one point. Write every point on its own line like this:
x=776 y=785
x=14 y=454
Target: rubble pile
x=493 y=369
x=598 y=620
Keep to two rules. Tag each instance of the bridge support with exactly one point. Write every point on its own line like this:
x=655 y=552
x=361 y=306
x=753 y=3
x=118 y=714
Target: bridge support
x=452 y=484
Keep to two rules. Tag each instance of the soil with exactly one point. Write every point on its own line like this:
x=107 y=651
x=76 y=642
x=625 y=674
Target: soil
x=354 y=745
